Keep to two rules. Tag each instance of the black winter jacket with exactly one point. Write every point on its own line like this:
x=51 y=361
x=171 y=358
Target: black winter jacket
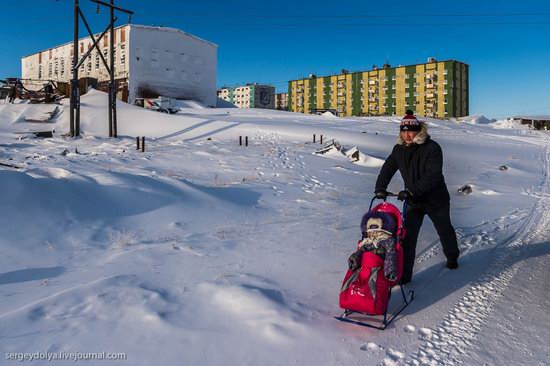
x=420 y=165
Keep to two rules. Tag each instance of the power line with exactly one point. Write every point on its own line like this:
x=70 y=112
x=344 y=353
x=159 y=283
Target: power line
x=12 y=3
x=347 y=16
x=373 y=25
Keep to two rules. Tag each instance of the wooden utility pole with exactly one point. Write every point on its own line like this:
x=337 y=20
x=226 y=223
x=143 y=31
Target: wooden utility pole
x=75 y=85
x=112 y=89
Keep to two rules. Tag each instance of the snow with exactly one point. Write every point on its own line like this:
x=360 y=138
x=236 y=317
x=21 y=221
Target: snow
x=475 y=120
x=328 y=114
x=201 y=251
x=511 y=123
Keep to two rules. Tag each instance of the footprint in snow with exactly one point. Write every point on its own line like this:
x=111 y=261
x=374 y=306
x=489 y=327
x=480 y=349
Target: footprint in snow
x=425 y=333
x=369 y=347
x=409 y=328
x=394 y=354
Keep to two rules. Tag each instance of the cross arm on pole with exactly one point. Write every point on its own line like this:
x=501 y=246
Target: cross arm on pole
x=113 y=6
x=95 y=43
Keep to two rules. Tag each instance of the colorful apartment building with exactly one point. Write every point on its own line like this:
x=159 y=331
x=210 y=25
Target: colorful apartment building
x=249 y=96
x=434 y=89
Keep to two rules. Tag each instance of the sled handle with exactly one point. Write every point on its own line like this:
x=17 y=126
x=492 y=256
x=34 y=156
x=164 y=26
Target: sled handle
x=391 y=194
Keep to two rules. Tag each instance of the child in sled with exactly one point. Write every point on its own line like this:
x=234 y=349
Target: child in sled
x=379 y=237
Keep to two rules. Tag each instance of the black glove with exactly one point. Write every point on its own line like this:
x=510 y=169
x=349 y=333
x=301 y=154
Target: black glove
x=404 y=195
x=381 y=194
x=354 y=260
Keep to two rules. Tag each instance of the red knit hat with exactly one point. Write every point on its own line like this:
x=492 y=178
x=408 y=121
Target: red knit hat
x=410 y=122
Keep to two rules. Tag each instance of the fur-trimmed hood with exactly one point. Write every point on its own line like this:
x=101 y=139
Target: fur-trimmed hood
x=420 y=138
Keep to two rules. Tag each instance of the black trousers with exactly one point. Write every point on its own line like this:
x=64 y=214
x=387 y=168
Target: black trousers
x=440 y=216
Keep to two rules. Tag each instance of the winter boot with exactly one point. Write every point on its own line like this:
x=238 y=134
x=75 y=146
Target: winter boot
x=452 y=263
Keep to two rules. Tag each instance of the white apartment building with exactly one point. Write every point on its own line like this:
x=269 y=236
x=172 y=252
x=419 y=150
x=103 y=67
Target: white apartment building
x=149 y=62
x=249 y=96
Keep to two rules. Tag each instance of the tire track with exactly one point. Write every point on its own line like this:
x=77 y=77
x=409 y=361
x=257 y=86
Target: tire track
x=449 y=342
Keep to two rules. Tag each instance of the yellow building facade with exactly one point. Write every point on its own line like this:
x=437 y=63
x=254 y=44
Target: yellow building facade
x=433 y=89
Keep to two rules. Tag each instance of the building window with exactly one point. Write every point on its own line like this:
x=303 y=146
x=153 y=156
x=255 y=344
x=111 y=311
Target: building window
x=198 y=60
x=198 y=77
x=169 y=55
x=183 y=75
x=154 y=55
x=122 y=54
x=169 y=73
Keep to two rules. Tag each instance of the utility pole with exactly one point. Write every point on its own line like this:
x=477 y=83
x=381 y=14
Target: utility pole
x=112 y=84
x=75 y=85
x=112 y=90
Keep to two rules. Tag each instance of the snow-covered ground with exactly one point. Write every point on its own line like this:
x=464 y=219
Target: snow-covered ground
x=203 y=252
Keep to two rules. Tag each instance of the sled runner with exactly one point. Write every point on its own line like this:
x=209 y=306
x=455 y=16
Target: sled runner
x=375 y=269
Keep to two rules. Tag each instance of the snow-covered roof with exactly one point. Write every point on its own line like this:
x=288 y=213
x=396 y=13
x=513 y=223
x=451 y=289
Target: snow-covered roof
x=173 y=30
x=159 y=28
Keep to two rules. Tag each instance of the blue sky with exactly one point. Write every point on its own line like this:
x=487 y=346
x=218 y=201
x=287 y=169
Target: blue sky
x=505 y=42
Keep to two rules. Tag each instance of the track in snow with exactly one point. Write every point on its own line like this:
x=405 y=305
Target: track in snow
x=449 y=342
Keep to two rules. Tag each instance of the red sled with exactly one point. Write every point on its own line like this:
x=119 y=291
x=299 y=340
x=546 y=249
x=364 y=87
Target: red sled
x=366 y=291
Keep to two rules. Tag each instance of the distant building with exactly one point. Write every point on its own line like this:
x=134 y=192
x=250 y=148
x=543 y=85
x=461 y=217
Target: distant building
x=249 y=96
x=149 y=62
x=435 y=89
x=541 y=122
x=281 y=101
